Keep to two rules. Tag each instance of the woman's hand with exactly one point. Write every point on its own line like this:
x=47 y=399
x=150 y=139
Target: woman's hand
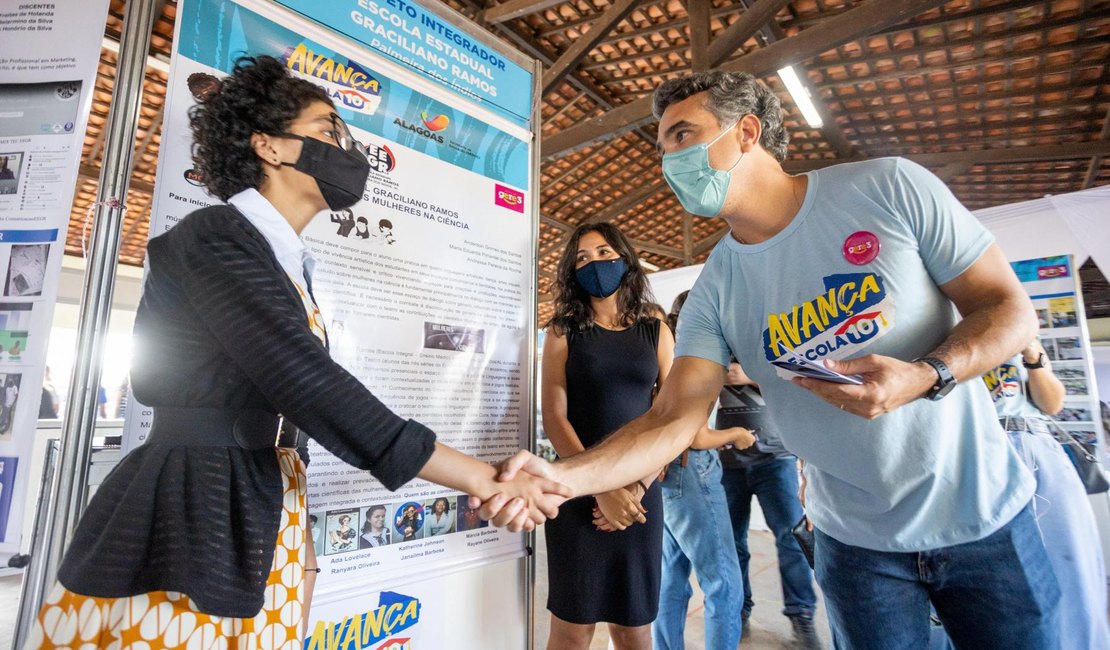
x=621 y=508
x=527 y=499
x=741 y=438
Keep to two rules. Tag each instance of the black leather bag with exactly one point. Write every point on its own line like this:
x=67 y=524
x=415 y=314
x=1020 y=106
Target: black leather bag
x=805 y=538
x=1084 y=456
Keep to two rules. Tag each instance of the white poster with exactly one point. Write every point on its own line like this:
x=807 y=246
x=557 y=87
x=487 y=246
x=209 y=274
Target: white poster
x=49 y=53
x=1053 y=286
x=425 y=287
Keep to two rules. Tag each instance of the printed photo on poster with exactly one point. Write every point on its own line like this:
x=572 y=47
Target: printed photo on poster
x=1075 y=386
x=457 y=338
x=469 y=519
x=1043 y=320
x=15 y=323
x=48 y=108
x=10 y=383
x=1069 y=348
x=11 y=162
x=342 y=531
x=408 y=521
x=1063 y=312
x=26 y=270
x=1073 y=414
x=440 y=517
x=316 y=532
x=375 y=527
x=1069 y=373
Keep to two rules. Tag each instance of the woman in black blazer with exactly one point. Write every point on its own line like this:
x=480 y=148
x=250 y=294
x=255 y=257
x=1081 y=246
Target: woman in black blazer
x=231 y=353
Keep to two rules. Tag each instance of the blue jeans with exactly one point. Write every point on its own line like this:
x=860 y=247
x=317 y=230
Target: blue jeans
x=697 y=533
x=775 y=483
x=998 y=592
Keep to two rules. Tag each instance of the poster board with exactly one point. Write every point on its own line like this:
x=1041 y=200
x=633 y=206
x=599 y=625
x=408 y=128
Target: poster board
x=48 y=59
x=426 y=287
x=1053 y=285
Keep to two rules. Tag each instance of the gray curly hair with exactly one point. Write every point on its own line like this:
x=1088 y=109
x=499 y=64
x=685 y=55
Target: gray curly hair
x=732 y=95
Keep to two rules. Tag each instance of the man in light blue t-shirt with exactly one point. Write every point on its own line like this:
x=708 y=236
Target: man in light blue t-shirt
x=873 y=270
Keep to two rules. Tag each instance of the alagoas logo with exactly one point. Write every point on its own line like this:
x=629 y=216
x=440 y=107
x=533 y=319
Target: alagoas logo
x=437 y=123
x=419 y=130
x=853 y=311
x=348 y=84
x=1003 y=382
x=377 y=629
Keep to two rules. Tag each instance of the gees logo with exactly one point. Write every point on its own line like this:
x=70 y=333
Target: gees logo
x=346 y=84
x=437 y=123
x=507 y=197
x=853 y=311
x=419 y=130
x=397 y=644
x=193 y=177
x=381 y=158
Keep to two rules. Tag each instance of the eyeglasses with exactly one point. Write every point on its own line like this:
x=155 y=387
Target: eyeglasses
x=341 y=133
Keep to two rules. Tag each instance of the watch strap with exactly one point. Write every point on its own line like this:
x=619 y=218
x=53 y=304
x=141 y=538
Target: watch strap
x=1039 y=363
x=945 y=378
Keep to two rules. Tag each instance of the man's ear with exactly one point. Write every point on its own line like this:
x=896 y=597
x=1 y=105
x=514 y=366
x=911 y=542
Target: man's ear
x=749 y=130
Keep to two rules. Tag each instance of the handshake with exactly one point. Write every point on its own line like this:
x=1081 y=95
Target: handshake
x=528 y=491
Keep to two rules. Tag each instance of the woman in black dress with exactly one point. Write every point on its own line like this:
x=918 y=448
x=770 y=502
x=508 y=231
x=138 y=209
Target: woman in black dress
x=604 y=354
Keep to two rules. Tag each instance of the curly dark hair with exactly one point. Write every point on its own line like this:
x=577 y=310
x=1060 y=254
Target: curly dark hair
x=573 y=312
x=259 y=96
x=732 y=95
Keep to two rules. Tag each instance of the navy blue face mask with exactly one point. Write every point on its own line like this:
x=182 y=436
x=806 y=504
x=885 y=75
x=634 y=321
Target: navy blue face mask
x=602 y=278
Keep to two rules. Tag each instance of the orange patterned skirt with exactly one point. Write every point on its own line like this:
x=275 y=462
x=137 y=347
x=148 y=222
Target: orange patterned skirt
x=166 y=619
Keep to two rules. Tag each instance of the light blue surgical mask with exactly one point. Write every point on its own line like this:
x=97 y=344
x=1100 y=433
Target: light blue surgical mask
x=700 y=189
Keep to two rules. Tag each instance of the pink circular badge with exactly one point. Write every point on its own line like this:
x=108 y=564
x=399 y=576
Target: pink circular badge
x=861 y=248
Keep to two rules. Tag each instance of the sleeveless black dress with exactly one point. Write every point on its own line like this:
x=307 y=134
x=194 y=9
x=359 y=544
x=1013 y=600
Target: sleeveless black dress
x=594 y=576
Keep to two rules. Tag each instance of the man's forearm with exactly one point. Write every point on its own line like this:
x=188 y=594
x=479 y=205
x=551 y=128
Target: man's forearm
x=636 y=450
x=987 y=337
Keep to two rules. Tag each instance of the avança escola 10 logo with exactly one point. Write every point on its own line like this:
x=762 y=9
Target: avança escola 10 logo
x=347 y=84
x=395 y=613
x=853 y=311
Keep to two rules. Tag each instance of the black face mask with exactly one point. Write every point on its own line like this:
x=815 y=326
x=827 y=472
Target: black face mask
x=340 y=175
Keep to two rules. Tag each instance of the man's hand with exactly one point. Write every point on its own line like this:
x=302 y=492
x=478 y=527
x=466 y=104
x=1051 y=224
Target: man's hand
x=888 y=384
x=530 y=494
x=741 y=438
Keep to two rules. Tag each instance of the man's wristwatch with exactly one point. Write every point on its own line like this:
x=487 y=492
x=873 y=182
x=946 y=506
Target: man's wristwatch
x=1039 y=363
x=946 y=381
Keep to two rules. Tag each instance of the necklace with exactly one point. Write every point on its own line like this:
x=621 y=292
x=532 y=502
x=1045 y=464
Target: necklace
x=608 y=326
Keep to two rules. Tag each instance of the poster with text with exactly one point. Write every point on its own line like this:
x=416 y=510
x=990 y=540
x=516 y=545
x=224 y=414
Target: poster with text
x=425 y=287
x=1053 y=286
x=49 y=52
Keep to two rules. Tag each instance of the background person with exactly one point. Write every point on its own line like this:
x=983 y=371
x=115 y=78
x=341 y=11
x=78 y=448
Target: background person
x=1026 y=394
x=766 y=471
x=603 y=356
x=697 y=536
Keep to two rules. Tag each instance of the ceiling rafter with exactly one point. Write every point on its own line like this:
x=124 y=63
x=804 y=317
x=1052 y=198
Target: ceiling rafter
x=581 y=46
x=849 y=26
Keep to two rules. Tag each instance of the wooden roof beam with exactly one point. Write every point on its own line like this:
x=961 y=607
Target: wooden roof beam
x=1036 y=153
x=849 y=26
x=570 y=59
x=1096 y=161
x=699 y=14
x=516 y=9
